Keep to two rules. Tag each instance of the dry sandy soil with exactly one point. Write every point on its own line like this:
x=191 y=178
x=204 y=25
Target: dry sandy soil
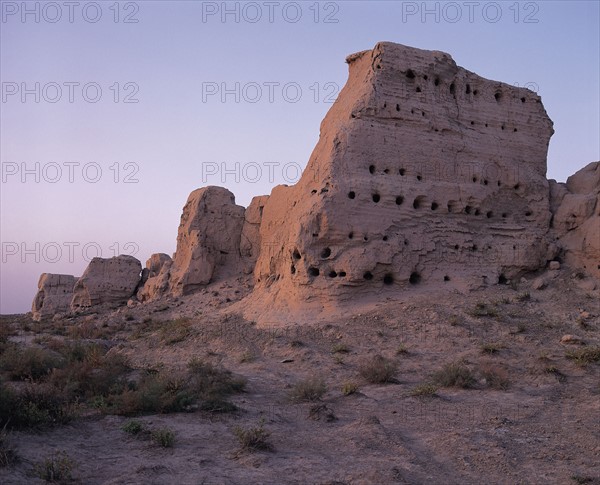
x=531 y=416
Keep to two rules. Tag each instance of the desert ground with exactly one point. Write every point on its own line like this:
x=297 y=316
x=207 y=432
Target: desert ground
x=418 y=386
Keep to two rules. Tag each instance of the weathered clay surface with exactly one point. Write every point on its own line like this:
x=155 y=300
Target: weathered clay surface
x=208 y=240
x=424 y=172
x=113 y=280
x=250 y=238
x=155 y=277
x=54 y=295
x=576 y=221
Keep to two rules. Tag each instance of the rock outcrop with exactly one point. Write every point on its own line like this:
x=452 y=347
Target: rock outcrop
x=155 y=277
x=113 y=280
x=576 y=221
x=54 y=295
x=208 y=240
x=250 y=237
x=424 y=172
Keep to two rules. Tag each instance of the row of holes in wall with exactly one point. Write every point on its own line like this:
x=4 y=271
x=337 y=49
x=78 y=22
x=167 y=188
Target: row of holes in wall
x=419 y=203
x=473 y=123
x=388 y=278
x=437 y=82
x=402 y=171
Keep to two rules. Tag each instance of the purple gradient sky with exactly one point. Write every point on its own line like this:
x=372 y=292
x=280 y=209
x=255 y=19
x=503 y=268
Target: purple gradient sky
x=170 y=133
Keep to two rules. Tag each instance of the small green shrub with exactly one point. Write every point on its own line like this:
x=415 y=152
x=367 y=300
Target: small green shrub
x=253 y=439
x=455 y=374
x=56 y=468
x=133 y=427
x=308 y=390
x=31 y=363
x=378 y=370
x=163 y=437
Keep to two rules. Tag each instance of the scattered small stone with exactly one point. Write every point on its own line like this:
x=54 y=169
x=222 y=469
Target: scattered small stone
x=539 y=283
x=287 y=361
x=571 y=339
x=554 y=265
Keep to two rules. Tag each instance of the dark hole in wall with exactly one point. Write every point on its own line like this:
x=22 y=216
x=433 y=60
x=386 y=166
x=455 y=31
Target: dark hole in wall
x=468 y=209
x=502 y=280
x=313 y=271
x=489 y=214
x=498 y=96
x=517 y=186
x=437 y=81
x=416 y=203
x=504 y=215
x=446 y=278
x=350 y=235
x=332 y=274
x=426 y=77
x=371 y=168
x=376 y=198
x=388 y=279
x=293 y=269
x=474 y=179
x=387 y=170
x=385 y=238
x=528 y=213
x=399 y=200
x=485 y=182
x=297 y=254
x=434 y=206
x=419 y=177
x=397 y=107
x=414 y=278
x=402 y=171
x=368 y=275
x=410 y=74
x=365 y=238
x=452 y=89
x=326 y=252
x=342 y=274
x=418 y=89
x=351 y=194
x=475 y=92
x=477 y=212
x=468 y=89
x=523 y=100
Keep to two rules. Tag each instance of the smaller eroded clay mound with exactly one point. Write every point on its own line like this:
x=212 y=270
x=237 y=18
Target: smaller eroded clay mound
x=112 y=280
x=208 y=240
x=576 y=222
x=155 y=277
x=54 y=295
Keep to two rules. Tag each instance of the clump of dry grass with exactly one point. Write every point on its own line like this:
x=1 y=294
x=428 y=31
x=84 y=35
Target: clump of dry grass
x=455 y=374
x=253 y=439
x=308 y=390
x=378 y=370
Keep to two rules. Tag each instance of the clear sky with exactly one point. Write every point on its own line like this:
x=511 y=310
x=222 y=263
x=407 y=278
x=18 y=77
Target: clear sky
x=112 y=112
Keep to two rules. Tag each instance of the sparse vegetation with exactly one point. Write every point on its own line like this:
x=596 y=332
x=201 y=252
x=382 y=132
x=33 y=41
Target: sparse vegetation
x=402 y=350
x=455 y=374
x=253 y=439
x=308 y=390
x=340 y=348
x=8 y=455
x=378 y=370
x=57 y=468
x=175 y=331
x=349 y=388
x=483 y=309
x=585 y=355
x=495 y=376
x=133 y=427
x=424 y=390
x=523 y=296
x=29 y=363
x=491 y=348
x=163 y=437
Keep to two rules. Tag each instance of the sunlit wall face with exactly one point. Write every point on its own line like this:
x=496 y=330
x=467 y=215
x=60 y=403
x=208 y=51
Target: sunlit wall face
x=112 y=113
